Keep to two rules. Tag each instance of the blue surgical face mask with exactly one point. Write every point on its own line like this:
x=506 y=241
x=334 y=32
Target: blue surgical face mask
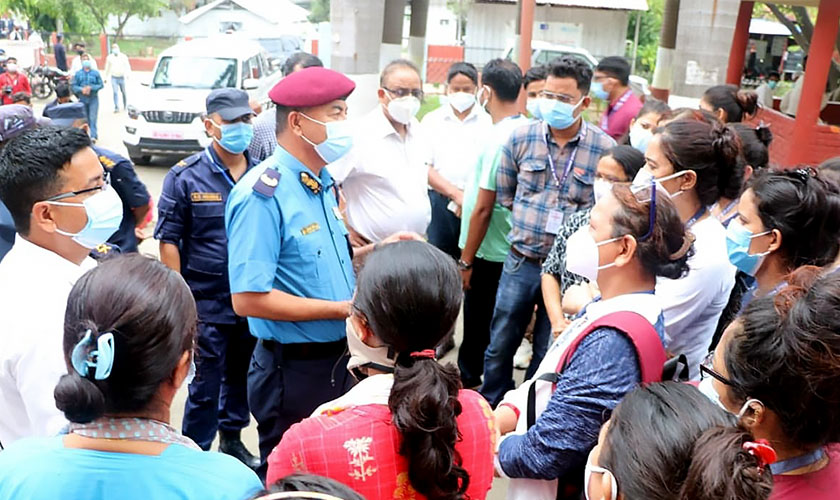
x=597 y=89
x=533 y=106
x=738 y=239
x=640 y=137
x=558 y=114
x=236 y=137
x=338 y=142
x=86 y=64
x=772 y=84
x=104 y=212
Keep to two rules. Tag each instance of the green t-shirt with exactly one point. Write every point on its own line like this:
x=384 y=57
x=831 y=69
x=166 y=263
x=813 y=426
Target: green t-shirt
x=495 y=246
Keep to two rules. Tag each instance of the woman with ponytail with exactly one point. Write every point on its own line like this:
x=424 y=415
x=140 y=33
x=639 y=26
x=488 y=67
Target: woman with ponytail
x=695 y=160
x=407 y=430
x=129 y=332
x=729 y=103
x=668 y=442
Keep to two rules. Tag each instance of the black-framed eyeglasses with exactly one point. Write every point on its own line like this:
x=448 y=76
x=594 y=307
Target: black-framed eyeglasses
x=401 y=92
x=706 y=368
x=106 y=176
x=567 y=99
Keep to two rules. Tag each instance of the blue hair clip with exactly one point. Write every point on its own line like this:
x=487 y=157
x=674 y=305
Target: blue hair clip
x=101 y=359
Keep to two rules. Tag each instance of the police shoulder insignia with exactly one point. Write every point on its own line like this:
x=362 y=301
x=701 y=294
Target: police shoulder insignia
x=310 y=228
x=104 y=250
x=311 y=184
x=205 y=197
x=267 y=182
x=106 y=162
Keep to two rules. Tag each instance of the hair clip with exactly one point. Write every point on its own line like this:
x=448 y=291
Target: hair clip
x=101 y=358
x=762 y=451
x=688 y=240
x=761 y=125
x=425 y=353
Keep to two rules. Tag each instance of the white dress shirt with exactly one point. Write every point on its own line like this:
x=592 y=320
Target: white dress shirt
x=33 y=297
x=384 y=178
x=692 y=304
x=117 y=65
x=455 y=144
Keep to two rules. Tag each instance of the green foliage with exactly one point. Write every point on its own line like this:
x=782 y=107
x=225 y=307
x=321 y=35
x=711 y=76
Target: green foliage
x=319 y=11
x=84 y=15
x=649 y=28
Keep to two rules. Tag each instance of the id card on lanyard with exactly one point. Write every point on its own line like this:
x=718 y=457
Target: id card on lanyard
x=605 y=120
x=555 y=216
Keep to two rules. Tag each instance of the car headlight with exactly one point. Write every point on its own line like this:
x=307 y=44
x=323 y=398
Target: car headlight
x=133 y=113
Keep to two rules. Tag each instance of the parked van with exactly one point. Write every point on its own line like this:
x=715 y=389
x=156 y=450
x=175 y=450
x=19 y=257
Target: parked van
x=164 y=118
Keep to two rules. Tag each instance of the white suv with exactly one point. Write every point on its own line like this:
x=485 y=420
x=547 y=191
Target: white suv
x=165 y=118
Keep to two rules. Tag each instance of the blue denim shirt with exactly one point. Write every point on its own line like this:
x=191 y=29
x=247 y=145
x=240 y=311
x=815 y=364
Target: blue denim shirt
x=84 y=79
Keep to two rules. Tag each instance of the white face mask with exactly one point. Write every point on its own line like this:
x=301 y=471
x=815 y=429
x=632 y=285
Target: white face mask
x=707 y=387
x=403 y=109
x=480 y=97
x=601 y=188
x=363 y=355
x=587 y=476
x=644 y=177
x=461 y=101
x=582 y=254
x=12 y=68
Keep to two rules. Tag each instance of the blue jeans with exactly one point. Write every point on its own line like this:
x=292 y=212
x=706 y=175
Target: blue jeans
x=519 y=292
x=118 y=84
x=92 y=109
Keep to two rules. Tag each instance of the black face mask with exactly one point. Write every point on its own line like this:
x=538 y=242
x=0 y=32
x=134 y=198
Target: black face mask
x=80 y=52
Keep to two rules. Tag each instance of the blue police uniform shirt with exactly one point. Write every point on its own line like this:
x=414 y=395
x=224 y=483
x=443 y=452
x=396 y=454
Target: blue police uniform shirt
x=191 y=215
x=7 y=230
x=292 y=239
x=132 y=192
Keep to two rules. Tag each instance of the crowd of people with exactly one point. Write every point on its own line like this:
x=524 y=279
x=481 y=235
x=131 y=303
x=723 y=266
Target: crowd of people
x=671 y=294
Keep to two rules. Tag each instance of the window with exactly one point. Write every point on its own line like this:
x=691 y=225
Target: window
x=195 y=72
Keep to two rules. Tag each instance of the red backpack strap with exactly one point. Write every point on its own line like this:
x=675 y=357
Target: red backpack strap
x=649 y=350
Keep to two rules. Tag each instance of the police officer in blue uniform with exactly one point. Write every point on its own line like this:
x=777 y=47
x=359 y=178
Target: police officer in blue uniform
x=191 y=231
x=133 y=193
x=290 y=267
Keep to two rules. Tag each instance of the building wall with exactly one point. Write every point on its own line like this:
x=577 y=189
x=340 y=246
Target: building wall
x=704 y=36
x=441 y=24
x=165 y=25
x=491 y=29
x=209 y=24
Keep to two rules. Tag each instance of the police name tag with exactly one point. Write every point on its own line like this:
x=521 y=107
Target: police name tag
x=554 y=222
x=205 y=197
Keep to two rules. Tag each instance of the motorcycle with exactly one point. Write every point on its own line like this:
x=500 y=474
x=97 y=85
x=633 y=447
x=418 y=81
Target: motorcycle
x=44 y=79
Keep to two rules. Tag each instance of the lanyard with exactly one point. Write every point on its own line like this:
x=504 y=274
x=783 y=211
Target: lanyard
x=797 y=462
x=571 y=161
x=694 y=218
x=725 y=212
x=213 y=162
x=606 y=118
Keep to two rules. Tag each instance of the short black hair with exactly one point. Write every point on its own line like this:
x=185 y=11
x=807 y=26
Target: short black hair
x=311 y=483
x=535 y=74
x=462 y=68
x=30 y=165
x=21 y=96
x=304 y=59
x=504 y=77
x=773 y=73
x=396 y=64
x=11 y=58
x=62 y=90
x=572 y=67
x=617 y=67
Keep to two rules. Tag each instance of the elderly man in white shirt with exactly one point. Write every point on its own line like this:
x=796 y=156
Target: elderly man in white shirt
x=384 y=178
x=54 y=186
x=454 y=131
x=117 y=69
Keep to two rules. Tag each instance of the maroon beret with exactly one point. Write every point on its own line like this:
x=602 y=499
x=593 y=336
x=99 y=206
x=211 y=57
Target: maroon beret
x=311 y=86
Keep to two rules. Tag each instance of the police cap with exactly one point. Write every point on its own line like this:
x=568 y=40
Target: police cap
x=311 y=87
x=229 y=103
x=64 y=115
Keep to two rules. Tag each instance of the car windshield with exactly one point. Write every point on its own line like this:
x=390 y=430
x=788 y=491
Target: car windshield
x=195 y=72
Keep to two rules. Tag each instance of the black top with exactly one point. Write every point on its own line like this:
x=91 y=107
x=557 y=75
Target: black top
x=60 y=56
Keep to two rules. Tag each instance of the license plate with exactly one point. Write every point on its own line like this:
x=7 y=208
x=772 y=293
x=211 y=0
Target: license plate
x=167 y=135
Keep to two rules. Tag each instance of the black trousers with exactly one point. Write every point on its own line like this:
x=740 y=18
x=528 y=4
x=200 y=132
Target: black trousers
x=445 y=228
x=479 y=302
x=283 y=388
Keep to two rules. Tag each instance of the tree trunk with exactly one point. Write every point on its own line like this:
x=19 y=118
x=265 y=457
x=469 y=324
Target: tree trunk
x=803 y=42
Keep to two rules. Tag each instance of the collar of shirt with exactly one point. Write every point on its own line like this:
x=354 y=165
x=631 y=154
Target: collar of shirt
x=619 y=98
x=47 y=261
x=223 y=169
x=285 y=159
x=573 y=141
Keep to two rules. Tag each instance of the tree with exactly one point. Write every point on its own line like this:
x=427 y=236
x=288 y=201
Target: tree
x=319 y=11
x=124 y=10
x=649 y=28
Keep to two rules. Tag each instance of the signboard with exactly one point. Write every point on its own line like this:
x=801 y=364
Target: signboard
x=570 y=34
x=695 y=75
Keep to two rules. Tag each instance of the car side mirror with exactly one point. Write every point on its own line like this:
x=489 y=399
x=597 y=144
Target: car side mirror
x=250 y=84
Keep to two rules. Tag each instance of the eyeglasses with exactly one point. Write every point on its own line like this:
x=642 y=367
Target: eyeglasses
x=418 y=93
x=106 y=176
x=706 y=368
x=567 y=99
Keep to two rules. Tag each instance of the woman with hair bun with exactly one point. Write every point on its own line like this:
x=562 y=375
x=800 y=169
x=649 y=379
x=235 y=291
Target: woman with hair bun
x=668 y=442
x=129 y=333
x=695 y=160
x=729 y=103
x=407 y=429
x=754 y=157
x=776 y=368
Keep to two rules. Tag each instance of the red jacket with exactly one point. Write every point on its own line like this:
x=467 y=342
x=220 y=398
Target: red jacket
x=19 y=83
x=359 y=447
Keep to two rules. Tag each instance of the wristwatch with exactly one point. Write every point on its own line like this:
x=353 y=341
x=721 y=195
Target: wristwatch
x=464 y=266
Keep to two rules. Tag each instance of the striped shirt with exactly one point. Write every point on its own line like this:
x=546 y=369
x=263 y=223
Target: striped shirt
x=528 y=186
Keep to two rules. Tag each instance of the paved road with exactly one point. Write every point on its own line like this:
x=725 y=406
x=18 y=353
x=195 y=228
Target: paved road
x=111 y=129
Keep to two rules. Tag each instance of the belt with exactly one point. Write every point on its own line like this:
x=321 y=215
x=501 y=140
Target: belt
x=521 y=255
x=306 y=350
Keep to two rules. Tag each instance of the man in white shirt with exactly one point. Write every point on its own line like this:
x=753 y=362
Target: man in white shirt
x=76 y=65
x=765 y=90
x=384 y=178
x=55 y=188
x=454 y=131
x=117 y=68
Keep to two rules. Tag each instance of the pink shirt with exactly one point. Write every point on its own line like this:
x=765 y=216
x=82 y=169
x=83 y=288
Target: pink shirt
x=616 y=119
x=823 y=484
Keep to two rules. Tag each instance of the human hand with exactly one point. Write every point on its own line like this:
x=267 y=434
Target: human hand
x=458 y=197
x=466 y=275
x=402 y=236
x=559 y=326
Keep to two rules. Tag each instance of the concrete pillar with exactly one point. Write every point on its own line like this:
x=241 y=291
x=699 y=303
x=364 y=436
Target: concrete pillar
x=526 y=31
x=738 y=51
x=356 y=40
x=392 y=32
x=816 y=74
x=660 y=86
x=417 y=32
